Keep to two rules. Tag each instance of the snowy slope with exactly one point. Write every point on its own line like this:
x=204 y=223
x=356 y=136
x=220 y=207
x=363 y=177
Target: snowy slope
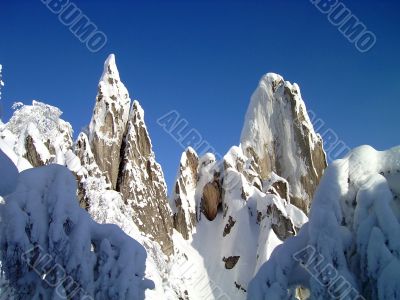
x=353 y=230
x=251 y=219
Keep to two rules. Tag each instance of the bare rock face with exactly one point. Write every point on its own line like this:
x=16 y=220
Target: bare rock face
x=183 y=202
x=278 y=186
x=228 y=227
x=141 y=182
x=230 y=262
x=110 y=116
x=279 y=136
x=282 y=225
x=211 y=198
x=32 y=154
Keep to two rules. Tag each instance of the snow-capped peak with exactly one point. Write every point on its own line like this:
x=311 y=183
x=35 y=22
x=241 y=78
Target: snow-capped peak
x=109 y=120
x=110 y=69
x=278 y=134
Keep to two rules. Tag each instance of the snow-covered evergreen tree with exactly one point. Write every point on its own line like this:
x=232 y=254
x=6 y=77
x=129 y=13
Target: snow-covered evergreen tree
x=50 y=248
x=350 y=248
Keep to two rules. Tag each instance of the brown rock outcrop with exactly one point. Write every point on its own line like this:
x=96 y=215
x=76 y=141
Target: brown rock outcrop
x=212 y=198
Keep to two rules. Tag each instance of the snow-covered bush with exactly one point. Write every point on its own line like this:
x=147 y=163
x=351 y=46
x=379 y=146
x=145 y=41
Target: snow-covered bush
x=350 y=249
x=50 y=248
x=44 y=117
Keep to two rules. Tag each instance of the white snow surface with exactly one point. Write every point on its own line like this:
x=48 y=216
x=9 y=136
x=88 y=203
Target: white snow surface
x=354 y=227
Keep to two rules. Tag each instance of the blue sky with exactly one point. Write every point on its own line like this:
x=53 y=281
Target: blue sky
x=204 y=59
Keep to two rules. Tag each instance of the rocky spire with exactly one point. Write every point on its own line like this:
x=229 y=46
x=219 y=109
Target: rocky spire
x=183 y=204
x=109 y=120
x=278 y=134
x=141 y=182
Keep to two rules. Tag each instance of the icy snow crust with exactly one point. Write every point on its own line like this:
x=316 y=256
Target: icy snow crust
x=354 y=226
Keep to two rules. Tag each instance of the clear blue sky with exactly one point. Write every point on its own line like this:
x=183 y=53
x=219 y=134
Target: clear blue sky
x=204 y=59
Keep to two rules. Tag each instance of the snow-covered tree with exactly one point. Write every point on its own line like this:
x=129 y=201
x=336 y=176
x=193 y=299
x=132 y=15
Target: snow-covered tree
x=50 y=248
x=350 y=249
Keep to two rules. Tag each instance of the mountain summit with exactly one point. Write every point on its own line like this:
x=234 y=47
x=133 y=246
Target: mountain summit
x=278 y=134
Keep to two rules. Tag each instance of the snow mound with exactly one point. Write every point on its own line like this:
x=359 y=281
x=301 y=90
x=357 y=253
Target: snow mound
x=350 y=247
x=50 y=248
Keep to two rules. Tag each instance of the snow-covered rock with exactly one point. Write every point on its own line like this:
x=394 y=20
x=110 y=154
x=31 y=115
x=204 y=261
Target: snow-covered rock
x=117 y=157
x=244 y=225
x=279 y=136
x=183 y=202
x=110 y=116
x=141 y=182
x=350 y=246
x=256 y=197
x=92 y=182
